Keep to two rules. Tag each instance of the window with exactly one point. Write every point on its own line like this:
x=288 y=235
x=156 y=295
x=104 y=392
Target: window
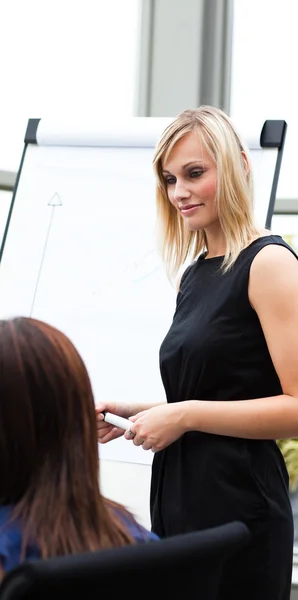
x=64 y=58
x=265 y=46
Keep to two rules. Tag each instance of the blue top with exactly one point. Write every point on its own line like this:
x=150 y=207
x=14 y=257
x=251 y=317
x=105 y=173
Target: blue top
x=11 y=538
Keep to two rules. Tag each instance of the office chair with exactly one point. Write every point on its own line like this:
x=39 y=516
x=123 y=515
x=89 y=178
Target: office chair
x=187 y=566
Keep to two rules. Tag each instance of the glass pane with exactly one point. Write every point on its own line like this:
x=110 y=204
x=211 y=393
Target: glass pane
x=265 y=46
x=64 y=58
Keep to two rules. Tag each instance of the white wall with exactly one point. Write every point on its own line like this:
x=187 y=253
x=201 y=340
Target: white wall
x=129 y=484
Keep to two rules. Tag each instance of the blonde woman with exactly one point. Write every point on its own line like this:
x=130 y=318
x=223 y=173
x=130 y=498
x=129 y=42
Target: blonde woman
x=228 y=362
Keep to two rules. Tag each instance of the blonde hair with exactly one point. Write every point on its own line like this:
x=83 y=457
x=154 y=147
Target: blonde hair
x=234 y=196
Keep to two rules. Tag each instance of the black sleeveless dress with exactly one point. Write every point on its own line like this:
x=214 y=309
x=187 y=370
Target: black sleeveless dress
x=215 y=350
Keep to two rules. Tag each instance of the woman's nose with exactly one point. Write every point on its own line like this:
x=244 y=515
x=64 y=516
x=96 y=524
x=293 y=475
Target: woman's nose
x=181 y=191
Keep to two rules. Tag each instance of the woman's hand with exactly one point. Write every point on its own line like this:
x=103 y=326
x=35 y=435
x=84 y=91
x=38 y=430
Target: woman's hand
x=158 y=427
x=105 y=431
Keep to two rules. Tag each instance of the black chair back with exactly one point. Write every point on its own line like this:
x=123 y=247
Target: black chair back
x=183 y=566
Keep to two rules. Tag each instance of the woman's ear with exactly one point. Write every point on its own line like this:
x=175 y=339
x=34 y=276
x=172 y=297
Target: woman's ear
x=245 y=160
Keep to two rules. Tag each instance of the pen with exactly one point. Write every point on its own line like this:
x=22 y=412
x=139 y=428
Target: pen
x=116 y=420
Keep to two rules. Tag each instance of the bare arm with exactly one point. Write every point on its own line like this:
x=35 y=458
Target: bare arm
x=273 y=293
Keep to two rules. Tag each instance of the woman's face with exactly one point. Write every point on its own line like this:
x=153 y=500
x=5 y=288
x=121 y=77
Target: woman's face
x=191 y=182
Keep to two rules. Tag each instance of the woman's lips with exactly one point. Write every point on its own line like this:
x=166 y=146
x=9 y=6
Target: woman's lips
x=190 y=208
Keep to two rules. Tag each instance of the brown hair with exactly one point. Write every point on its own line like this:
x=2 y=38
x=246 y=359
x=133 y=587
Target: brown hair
x=49 y=468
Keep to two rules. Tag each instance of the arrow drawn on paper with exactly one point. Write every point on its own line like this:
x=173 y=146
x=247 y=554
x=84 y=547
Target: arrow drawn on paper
x=53 y=203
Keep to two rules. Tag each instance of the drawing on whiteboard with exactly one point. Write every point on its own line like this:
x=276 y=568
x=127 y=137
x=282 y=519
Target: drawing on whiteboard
x=53 y=203
x=145 y=267
x=135 y=273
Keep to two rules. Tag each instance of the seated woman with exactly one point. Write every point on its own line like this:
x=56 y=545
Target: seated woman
x=50 y=501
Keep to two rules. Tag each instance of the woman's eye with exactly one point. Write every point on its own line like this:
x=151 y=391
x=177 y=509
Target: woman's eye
x=196 y=173
x=170 y=180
